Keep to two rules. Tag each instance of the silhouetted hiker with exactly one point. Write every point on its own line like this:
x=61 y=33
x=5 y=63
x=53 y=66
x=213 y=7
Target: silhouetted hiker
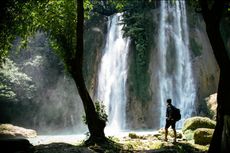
x=170 y=120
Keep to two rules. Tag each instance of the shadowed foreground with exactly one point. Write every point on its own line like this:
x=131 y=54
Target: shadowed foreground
x=188 y=141
x=134 y=146
x=112 y=147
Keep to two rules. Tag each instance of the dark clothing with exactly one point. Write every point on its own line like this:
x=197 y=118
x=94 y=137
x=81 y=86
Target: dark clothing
x=169 y=123
x=169 y=114
x=169 y=111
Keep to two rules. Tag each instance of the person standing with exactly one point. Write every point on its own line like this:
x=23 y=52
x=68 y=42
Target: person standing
x=170 y=121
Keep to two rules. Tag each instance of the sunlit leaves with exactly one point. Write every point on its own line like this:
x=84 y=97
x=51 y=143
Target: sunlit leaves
x=11 y=72
x=88 y=6
x=57 y=18
x=101 y=111
x=6 y=92
x=36 y=62
x=13 y=81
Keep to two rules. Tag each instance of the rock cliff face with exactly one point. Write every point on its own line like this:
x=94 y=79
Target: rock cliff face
x=205 y=68
x=94 y=41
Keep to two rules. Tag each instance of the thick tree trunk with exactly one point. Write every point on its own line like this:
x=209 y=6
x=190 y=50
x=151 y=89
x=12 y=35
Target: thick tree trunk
x=95 y=124
x=212 y=18
x=225 y=143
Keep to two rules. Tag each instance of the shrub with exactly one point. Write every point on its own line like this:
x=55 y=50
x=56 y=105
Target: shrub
x=100 y=109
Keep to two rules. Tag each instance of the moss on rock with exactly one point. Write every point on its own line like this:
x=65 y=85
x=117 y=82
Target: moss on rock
x=203 y=136
x=188 y=134
x=133 y=135
x=194 y=123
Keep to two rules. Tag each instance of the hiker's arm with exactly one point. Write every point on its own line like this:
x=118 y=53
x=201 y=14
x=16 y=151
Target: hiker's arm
x=167 y=113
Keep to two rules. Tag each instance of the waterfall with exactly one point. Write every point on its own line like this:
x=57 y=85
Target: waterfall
x=175 y=70
x=113 y=73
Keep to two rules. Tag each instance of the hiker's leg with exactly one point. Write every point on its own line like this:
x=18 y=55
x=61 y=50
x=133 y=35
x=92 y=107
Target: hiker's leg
x=174 y=130
x=166 y=134
x=166 y=129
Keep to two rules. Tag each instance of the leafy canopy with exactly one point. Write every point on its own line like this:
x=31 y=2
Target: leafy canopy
x=57 y=18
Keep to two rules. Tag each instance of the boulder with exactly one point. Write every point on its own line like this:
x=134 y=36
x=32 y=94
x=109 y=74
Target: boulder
x=196 y=122
x=211 y=102
x=203 y=136
x=11 y=131
x=16 y=145
x=188 y=134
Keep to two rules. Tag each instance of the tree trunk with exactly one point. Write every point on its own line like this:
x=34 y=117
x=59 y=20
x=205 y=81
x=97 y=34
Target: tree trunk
x=95 y=124
x=212 y=18
x=225 y=143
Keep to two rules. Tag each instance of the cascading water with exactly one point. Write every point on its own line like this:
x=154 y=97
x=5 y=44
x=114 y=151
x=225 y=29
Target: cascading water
x=112 y=75
x=175 y=75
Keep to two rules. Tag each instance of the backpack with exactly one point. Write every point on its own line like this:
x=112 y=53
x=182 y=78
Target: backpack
x=176 y=114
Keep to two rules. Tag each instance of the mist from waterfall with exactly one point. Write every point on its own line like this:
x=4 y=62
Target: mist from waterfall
x=113 y=74
x=175 y=70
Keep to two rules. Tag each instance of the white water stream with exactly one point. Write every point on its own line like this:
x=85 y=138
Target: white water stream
x=112 y=75
x=175 y=71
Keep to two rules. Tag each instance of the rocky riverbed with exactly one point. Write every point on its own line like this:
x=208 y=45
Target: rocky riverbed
x=199 y=128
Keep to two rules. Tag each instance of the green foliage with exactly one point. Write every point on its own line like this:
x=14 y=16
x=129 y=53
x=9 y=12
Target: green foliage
x=136 y=23
x=16 y=92
x=6 y=92
x=135 y=28
x=108 y=7
x=195 y=47
x=193 y=17
x=6 y=32
x=113 y=138
x=14 y=82
x=88 y=6
x=45 y=72
x=56 y=18
x=100 y=110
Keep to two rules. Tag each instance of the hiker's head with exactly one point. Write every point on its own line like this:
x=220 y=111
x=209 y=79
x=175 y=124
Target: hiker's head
x=169 y=101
